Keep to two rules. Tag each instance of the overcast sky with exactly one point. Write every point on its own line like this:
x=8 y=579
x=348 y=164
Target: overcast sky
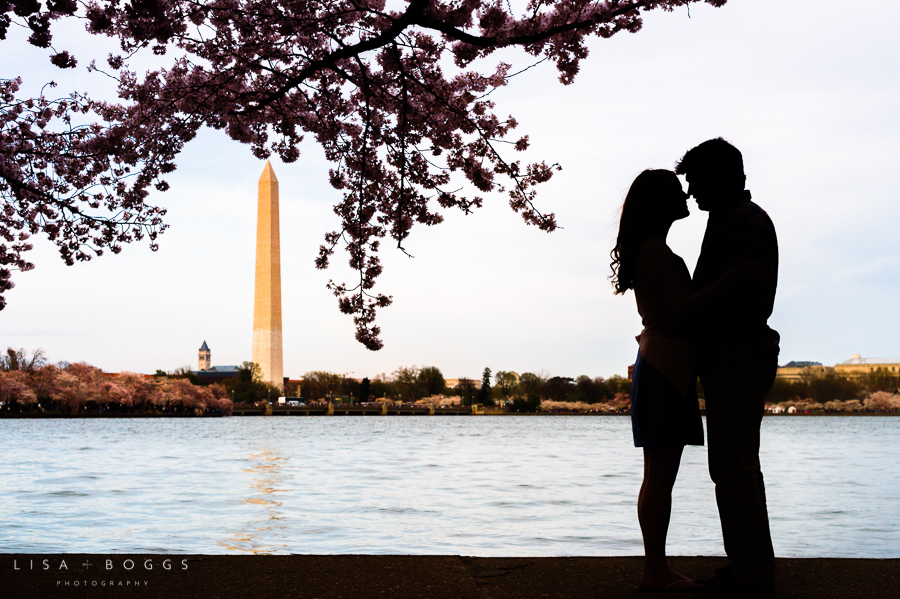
x=808 y=90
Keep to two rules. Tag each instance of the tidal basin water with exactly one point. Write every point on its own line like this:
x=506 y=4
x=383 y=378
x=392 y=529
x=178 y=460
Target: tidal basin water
x=487 y=486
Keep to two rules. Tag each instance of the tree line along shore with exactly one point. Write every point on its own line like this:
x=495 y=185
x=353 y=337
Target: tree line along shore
x=31 y=386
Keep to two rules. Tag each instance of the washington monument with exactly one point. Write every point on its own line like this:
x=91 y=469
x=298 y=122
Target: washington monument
x=267 y=299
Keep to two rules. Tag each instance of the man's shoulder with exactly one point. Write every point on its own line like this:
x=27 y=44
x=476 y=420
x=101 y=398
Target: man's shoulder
x=751 y=207
x=750 y=212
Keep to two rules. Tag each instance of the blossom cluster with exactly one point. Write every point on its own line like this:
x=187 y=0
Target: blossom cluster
x=81 y=388
x=617 y=405
x=878 y=402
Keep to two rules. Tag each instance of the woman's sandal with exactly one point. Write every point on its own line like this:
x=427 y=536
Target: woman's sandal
x=679 y=586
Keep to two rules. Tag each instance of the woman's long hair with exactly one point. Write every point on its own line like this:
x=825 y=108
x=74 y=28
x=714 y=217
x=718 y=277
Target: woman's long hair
x=638 y=211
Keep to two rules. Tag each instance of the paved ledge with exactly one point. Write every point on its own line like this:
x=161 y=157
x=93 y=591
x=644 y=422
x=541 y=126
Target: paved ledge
x=404 y=577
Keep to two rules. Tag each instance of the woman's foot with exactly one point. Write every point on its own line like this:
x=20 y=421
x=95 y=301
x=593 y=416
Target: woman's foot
x=667 y=581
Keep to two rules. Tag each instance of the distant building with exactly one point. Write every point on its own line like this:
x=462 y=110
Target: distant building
x=205 y=358
x=795 y=371
x=856 y=366
x=212 y=374
x=454 y=383
x=217 y=374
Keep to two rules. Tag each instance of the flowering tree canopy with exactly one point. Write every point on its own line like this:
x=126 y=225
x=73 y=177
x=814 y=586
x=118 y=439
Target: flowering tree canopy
x=80 y=388
x=366 y=78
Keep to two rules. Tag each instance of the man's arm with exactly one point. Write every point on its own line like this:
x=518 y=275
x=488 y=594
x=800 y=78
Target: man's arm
x=751 y=237
x=664 y=274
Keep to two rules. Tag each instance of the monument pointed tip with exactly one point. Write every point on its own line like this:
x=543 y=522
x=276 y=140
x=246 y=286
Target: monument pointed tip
x=268 y=172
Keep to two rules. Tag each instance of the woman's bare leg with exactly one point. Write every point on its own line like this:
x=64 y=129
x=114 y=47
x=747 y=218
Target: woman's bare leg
x=654 y=510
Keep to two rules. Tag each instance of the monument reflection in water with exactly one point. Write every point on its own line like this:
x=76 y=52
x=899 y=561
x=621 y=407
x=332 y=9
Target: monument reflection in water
x=269 y=479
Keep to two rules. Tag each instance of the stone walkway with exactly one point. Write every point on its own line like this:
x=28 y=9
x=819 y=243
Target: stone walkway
x=405 y=577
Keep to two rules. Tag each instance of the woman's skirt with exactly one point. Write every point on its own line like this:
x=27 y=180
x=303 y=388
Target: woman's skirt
x=660 y=415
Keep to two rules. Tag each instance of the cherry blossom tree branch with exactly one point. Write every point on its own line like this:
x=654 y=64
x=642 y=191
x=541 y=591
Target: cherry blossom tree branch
x=370 y=83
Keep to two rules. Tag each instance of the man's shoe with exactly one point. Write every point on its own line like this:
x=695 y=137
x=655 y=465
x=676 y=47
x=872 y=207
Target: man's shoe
x=734 y=591
x=721 y=578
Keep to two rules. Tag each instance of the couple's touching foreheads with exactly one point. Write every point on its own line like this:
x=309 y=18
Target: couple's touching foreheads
x=711 y=325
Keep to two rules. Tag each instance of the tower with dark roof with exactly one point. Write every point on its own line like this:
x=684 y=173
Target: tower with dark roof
x=205 y=358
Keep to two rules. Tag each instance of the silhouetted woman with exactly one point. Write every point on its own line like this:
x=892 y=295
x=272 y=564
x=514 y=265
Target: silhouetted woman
x=665 y=413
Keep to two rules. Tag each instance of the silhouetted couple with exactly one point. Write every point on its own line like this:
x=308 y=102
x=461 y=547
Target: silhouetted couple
x=712 y=325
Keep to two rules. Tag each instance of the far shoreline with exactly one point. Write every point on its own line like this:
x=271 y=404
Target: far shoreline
x=45 y=415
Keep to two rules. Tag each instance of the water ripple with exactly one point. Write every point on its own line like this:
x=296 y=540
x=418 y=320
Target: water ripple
x=396 y=485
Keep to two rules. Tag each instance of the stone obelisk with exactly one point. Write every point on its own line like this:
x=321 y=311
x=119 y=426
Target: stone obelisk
x=267 y=299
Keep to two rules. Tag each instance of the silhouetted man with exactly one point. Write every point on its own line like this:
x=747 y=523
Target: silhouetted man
x=737 y=360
